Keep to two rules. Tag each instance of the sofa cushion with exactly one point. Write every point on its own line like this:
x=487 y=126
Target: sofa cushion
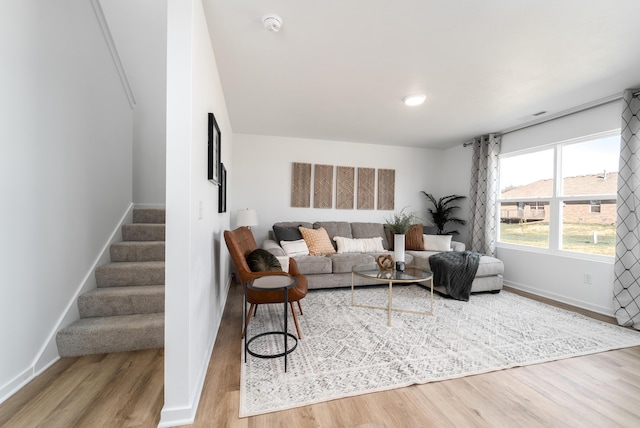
x=286 y=233
x=437 y=242
x=309 y=265
x=260 y=260
x=364 y=245
x=413 y=239
x=295 y=248
x=345 y=262
x=318 y=241
x=370 y=230
x=490 y=266
x=335 y=228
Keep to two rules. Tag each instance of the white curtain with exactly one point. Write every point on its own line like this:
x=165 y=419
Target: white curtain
x=484 y=192
x=626 y=286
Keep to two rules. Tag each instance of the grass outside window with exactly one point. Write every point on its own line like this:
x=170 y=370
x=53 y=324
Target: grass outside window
x=577 y=237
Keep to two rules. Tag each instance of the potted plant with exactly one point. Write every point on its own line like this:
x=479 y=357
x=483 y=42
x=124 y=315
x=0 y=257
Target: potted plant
x=442 y=212
x=399 y=224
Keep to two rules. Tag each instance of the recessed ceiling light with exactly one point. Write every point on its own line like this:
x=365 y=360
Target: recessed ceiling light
x=414 y=99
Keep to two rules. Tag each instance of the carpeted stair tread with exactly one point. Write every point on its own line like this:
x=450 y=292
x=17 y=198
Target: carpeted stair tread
x=143 y=232
x=111 y=301
x=126 y=311
x=130 y=273
x=149 y=215
x=111 y=334
x=137 y=251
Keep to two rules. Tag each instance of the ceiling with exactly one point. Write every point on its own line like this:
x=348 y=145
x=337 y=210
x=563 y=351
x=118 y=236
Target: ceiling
x=338 y=70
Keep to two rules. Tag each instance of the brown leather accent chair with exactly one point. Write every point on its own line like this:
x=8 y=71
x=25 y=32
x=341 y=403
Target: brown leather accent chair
x=241 y=243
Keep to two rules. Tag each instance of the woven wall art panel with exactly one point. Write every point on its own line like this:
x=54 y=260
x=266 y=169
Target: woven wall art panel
x=301 y=185
x=366 y=188
x=323 y=186
x=386 y=189
x=345 y=187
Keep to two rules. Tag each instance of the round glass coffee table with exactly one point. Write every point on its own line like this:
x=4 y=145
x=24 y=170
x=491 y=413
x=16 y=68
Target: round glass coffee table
x=410 y=275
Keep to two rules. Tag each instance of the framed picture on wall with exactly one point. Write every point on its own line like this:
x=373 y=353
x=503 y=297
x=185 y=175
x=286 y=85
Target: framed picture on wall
x=214 y=148
x=222 y=192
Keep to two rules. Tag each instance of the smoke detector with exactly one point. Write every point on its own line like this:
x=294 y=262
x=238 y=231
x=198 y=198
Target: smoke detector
x=272 y=22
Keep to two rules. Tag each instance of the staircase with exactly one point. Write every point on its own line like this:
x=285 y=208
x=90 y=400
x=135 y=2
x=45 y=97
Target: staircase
x=126 y=311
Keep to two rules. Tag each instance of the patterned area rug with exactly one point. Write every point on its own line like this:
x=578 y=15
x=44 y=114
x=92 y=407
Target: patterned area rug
x=349 y=351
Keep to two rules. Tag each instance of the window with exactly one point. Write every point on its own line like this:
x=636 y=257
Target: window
x=561 y=197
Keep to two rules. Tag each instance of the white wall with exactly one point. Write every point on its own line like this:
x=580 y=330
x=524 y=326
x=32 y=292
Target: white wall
x=554 y=275
x=65 y=172
x=197 y=262
x=139 y=30
x=262 y=167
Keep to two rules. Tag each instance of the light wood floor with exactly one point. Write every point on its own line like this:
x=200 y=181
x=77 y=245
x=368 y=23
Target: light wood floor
x=600 y=390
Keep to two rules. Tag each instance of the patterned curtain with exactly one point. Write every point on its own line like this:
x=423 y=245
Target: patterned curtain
x=626 y=285
x=484 y=192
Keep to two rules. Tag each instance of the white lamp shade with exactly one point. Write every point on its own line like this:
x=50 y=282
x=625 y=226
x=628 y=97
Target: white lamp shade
x=247 y=217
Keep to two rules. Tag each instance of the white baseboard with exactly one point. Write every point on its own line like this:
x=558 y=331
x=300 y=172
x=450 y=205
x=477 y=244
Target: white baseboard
x=11 y=387
x=561 y=298
x=49 y=351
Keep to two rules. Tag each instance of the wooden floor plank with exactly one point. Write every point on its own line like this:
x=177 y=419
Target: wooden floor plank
x=126 y=390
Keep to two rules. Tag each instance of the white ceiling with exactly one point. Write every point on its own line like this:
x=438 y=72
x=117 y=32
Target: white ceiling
x=338 y=69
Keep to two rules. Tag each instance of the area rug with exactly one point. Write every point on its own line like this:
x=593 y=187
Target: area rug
x=347 y=351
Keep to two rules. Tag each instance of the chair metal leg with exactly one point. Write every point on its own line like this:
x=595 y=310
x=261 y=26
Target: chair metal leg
x=300 y=307
x=295 y=320
x=251 y=308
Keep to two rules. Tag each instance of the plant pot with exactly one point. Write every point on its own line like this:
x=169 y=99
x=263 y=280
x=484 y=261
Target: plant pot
x=398 y=248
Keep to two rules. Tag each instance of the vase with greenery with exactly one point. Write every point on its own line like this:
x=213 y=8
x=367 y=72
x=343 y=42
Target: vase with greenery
x=443 y=212
x=399 y=224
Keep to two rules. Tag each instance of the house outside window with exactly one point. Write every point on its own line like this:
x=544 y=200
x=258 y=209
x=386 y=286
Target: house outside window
x=561 y=197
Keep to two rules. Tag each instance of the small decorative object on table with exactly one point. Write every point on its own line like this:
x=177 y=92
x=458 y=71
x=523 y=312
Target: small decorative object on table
x=385 y=262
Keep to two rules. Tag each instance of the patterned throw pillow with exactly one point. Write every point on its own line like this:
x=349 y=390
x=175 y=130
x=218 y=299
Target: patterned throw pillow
x=260 y=260
x=318 y=241
x=413 y=239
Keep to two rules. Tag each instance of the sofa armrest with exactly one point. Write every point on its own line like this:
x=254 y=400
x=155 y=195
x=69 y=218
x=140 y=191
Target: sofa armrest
x=272 y=246
x=457 y=246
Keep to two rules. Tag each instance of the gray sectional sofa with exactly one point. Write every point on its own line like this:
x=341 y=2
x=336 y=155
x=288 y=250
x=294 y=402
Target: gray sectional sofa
x=334 y=270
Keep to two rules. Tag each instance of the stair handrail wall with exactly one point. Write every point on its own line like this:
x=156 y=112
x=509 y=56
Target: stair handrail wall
x=48 y=353
x=108 y=38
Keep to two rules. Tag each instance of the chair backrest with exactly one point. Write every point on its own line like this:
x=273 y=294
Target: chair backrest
x=240 y=243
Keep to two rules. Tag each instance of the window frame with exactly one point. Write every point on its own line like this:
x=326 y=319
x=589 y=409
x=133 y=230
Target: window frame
x=555 y=202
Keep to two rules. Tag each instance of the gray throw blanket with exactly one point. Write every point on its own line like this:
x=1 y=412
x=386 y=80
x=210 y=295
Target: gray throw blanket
x=455 y=271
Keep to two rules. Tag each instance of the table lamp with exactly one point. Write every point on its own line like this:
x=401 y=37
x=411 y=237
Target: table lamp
x=248 y=217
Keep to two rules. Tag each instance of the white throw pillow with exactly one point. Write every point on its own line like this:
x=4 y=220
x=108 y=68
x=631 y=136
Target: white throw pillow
x=284 y=262
x=361 y=245
x=295 y=248
x=437 y=242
